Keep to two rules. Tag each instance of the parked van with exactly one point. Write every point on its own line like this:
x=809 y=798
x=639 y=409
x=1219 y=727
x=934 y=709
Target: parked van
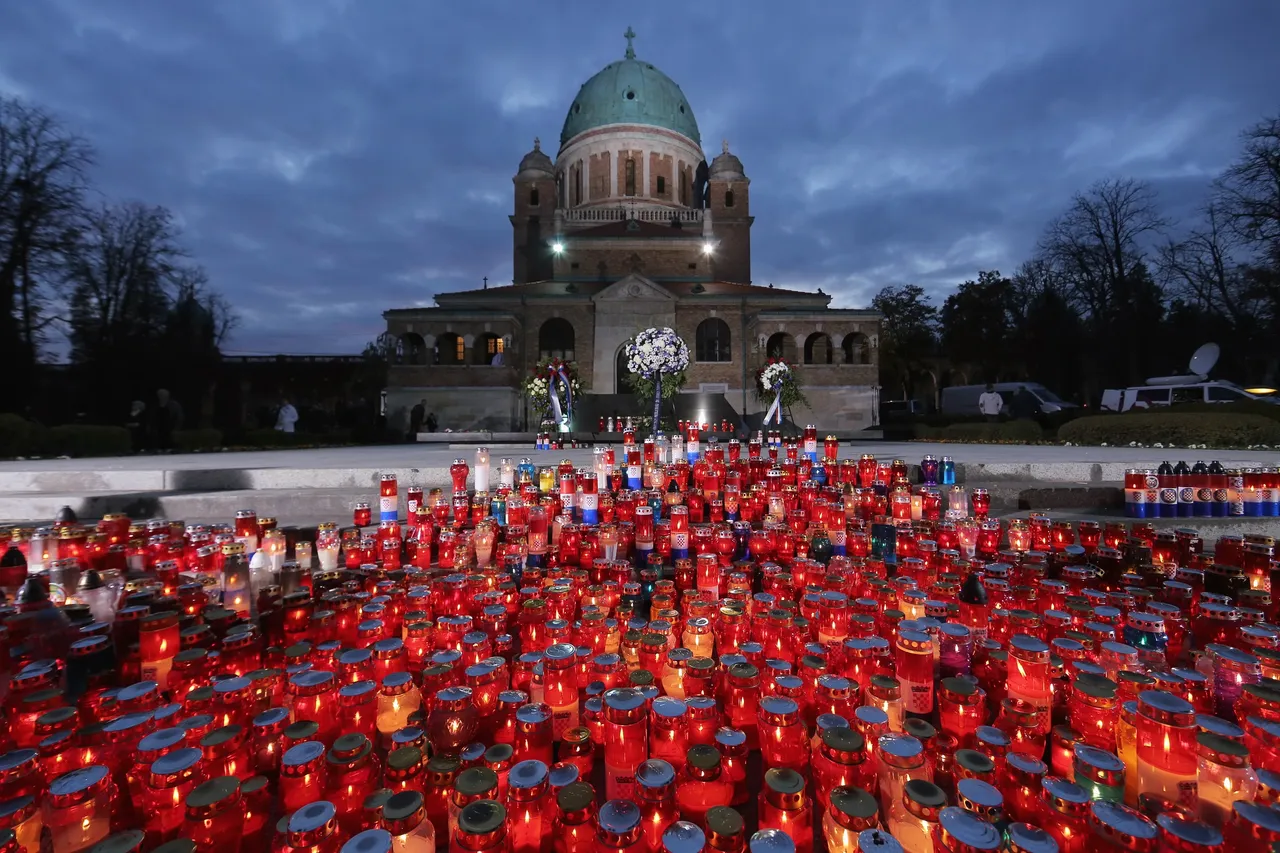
x=1147 y=396
x=962 y=400
x=1194 y=386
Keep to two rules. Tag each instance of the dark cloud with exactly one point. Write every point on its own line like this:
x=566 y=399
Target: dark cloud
x=332 y=158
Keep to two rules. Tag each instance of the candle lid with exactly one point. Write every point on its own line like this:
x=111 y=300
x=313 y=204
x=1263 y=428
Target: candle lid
x=174 y=763
x=878 y=841
x=213 y=796
x=311 y=823
x=724 y=822
x=160 y=741
x=1222 y=750
x=1064 y=796
x=981 y=798
x=403 y=811
x=655 y=773
x=404 y=758
x=704 y=757
x=77 y=785
x=272 y=720
x=785 y=787
x=683 y=837
x=923 y=798
x=778 y=710
x=302 y=754
x=302 y=731
x=1180 y=833
x=732 y=739
x=1256 y=816
x=962 y=830
x=349 y=748
x=369 y=841
x=975 y=762
x=474 y=781
x=771 y=841
x=1025 y=838
x=853 y=805
x=921 y=730
x=122 y=842
x=223 y=736
x=1098 y=764
x=530 y=773
x=499 y=753
x=1164 y=707
x=620 y=817
x=180 y=845
x=17 y=809
x=1121 y=824
x=575 y=797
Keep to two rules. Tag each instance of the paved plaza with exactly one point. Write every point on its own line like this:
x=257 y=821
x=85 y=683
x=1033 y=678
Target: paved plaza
x=310 y=485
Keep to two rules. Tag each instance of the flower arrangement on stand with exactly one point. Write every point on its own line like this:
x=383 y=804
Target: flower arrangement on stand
x=657 y=360
x=551 y=388
x=776 y=385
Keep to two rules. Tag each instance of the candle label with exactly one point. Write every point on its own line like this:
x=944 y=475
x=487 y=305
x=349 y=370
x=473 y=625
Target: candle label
x=917 y=696
x=413 y=505
x=563 y=719
x=388 y=507
x=1189 y=792
x=620 y=784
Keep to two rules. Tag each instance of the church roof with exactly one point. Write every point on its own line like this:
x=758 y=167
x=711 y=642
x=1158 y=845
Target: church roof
x=679 y=289
x=630 y=91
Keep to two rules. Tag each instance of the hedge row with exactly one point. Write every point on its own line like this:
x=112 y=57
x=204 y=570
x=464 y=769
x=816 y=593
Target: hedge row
x=1002 y=432
x=1211 y=428
x=20 y=437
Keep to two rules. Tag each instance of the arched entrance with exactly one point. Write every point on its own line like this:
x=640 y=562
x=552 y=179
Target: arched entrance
x=621 y=373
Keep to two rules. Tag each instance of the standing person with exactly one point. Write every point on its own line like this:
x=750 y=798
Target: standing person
x=1024 y=406
x=416 y=416
x=287 y=417
x=166 y=420
x=990 y=403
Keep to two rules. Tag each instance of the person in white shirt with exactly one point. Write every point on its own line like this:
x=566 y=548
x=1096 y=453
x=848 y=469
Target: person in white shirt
x=287 y=417
x=990 y=403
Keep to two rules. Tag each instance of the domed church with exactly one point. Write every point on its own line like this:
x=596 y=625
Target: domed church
x=626 y=227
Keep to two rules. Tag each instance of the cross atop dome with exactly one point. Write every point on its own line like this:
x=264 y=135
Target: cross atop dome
x=630 y=35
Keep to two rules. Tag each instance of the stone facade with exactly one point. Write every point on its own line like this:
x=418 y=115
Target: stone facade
x=629 y=228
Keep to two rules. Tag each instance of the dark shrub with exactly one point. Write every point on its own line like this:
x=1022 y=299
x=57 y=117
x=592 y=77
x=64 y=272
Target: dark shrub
x=87 y=440
x=188 y=440
x=1211 y=428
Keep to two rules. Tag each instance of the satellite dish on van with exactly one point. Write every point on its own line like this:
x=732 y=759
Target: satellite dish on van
x=1202 y=361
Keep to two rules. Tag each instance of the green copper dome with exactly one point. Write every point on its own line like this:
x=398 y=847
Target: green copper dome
x=630 y=91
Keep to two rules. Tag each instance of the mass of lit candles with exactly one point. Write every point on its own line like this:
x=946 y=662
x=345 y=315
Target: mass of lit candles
x=685 y=646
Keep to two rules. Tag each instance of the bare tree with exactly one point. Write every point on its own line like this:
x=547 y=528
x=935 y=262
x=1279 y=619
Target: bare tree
x=42 y=184
x=1203 y=269
x=1249 y=190
x=1098 y=244
x=122 y=279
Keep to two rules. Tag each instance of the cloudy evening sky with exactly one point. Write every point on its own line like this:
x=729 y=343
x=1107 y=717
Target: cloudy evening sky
x=329 y=159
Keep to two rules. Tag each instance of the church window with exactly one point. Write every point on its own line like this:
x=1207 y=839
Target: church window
x=818 y=349
x=631 y=176
x=451 y=349
x=556 y=339
x=577 y=185
x=684 y=187
x=728 y=198
x=781 y=345
x=662 y=185
x=712 y=341
x=533 y=197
